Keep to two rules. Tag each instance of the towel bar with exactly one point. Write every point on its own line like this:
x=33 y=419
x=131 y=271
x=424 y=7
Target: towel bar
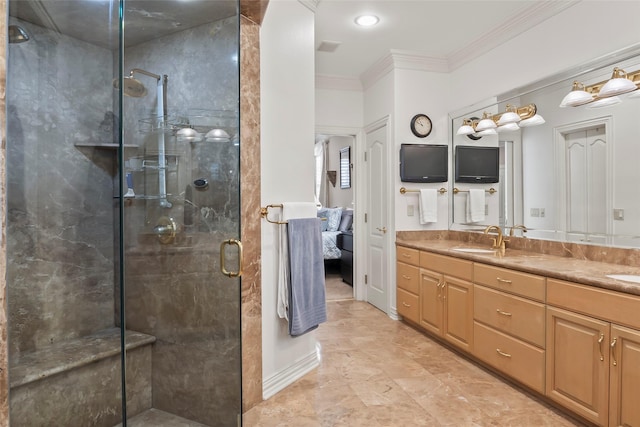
x=406 y=190
x=264 y=213
x=490 y=191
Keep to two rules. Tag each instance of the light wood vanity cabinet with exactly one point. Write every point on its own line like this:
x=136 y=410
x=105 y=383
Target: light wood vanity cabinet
x=408 y=283
x=509 y=323
x=446 y=298
x=593 y=363
x=579 y=345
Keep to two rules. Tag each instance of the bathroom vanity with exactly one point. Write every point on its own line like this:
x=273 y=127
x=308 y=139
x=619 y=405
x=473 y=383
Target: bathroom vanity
x=554 y=323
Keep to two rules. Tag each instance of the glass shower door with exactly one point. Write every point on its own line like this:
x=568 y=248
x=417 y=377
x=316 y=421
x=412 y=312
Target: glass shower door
x=122 y=185
x=181 y=203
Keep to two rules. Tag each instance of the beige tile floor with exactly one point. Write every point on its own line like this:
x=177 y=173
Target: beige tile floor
x=379 y=372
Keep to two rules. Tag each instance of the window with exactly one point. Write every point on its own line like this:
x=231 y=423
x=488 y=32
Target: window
x=345 y=167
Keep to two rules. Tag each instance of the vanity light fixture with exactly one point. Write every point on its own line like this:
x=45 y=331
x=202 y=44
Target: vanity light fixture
x=510 y=116
x=595 y=95
x=516 y=117
x=487 y=122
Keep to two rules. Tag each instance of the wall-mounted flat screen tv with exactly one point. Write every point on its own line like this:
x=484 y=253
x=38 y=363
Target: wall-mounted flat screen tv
x=477 y=164
x=424 y=163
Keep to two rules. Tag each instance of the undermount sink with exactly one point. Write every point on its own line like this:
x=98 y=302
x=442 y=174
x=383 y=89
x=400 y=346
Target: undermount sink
x=474 y=250
x=626 y=277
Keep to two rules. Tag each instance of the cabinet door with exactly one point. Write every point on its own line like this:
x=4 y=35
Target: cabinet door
x=578 y=364
x=457 y=297
x=431 y=297
x=625 y=377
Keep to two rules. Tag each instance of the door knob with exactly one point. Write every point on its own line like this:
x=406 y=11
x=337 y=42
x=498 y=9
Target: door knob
x=383 y=229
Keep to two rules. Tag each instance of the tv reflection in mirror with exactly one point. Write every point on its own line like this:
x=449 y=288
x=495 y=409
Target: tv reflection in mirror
x=424 y=163
x=477 y=165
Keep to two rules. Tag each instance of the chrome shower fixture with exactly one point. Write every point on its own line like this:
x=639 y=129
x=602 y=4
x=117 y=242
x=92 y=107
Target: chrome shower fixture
x=17 y=34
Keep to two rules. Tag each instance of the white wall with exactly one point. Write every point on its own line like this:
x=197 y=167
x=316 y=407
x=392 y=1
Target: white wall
x=583 y=32
x=338 y=109
x=418 y=92
x=287 y=128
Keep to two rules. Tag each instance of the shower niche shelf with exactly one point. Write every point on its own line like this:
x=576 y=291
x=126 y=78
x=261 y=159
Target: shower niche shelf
x=105 y=146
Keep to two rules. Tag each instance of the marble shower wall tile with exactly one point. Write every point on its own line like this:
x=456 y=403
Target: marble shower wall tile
x=59 y=239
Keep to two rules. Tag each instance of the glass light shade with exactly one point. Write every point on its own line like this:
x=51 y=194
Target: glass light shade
x=509 y=127
x=187 y=134
x=618 y=85
x=487 y=132
x=217 y=135
x=577 y=96
x=605 y=102
x=509 y=117
x=485 y=123
x=532 y=121
x=465 y=130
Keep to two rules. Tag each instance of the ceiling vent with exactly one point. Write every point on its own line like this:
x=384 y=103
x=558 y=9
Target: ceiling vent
x=328 y=46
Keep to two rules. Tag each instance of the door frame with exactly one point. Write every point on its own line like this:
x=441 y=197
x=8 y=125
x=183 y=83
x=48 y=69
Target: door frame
x=357 y=179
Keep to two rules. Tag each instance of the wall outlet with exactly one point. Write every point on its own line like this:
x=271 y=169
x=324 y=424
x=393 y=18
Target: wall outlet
x=541 y=212
x=410 y=210
x=618 y=214
x=534 y=212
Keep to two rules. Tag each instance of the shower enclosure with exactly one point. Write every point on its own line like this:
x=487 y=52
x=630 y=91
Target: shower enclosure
x=123 y=213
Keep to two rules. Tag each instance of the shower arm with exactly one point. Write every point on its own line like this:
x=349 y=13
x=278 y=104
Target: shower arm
x=165 y=80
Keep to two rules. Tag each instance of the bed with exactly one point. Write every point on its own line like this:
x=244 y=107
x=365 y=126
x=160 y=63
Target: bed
x=336 y=220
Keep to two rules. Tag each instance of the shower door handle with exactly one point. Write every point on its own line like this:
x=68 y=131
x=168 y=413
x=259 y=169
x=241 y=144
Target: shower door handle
x=223 y=268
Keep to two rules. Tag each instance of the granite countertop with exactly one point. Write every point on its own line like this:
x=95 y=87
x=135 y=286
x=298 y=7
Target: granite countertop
x=582 y=271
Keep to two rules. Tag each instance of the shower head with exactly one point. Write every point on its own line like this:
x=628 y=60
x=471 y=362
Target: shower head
x=132 y=87
x=17 y=34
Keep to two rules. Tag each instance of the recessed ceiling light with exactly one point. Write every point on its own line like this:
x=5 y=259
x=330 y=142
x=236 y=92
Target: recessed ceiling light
x=367 y=20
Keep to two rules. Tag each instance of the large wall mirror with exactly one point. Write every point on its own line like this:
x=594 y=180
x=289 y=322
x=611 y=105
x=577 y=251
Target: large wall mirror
x=573 y=178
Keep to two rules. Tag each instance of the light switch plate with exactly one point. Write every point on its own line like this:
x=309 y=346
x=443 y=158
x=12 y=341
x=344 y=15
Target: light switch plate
x=618 y=214
x=410 y=210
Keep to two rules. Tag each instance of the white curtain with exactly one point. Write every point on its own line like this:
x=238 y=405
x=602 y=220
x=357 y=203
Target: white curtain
x=319 y=152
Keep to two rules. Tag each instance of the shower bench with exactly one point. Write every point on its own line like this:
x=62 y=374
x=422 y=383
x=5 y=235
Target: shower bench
x=79 y=379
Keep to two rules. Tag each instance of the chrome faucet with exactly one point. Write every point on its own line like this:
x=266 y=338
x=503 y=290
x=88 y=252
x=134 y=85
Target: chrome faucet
x=517 y=227
x=499 y=241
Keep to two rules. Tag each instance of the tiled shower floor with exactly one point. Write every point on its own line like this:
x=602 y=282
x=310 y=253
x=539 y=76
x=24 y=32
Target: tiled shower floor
x=157 y=418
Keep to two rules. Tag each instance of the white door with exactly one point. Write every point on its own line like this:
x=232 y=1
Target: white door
x=586 y=182
x=376 y=225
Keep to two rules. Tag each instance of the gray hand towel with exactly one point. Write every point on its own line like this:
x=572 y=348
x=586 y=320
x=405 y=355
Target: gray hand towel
x=307 y=303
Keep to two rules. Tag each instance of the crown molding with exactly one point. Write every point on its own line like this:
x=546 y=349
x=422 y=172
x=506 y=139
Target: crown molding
x=312 y=5
x=324 y=81
x=402 y=60
x=527 y=19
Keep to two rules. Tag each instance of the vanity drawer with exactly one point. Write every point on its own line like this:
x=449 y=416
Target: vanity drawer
x=515 y=282
x=522 y=318
x=450 y=266
x=408 y=305
x=408 y=277
x=515 y=358
x=604 y=304
x=408 y=255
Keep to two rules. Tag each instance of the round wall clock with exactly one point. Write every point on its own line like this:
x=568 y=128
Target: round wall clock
x=421 y=125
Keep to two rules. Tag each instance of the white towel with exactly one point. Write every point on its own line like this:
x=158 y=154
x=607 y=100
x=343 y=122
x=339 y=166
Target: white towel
x=475 y=206
x=289 y=210
x=428 y=199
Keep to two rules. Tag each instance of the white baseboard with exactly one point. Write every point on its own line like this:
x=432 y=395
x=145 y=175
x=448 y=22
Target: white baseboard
x=393 y=313
x=288 y=376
